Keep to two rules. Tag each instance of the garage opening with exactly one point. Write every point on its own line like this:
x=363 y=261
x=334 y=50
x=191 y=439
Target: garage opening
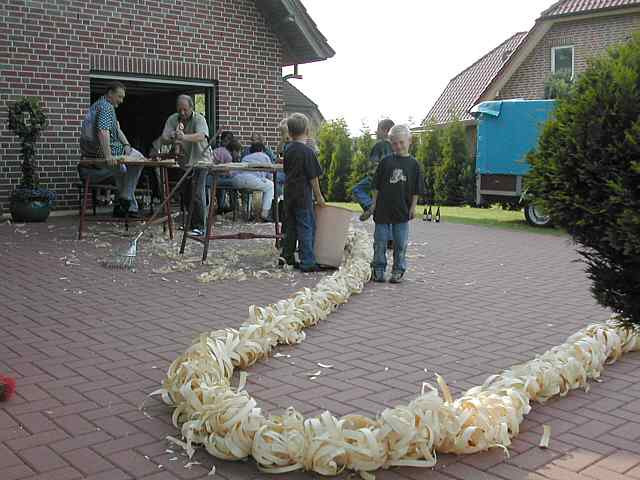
x=149 y=102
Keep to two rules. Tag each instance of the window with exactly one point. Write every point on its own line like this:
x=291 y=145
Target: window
x=562 y=60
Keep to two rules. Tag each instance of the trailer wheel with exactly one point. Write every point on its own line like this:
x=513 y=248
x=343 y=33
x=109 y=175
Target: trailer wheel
x=536 y=216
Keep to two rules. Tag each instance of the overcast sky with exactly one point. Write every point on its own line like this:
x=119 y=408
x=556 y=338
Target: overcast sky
x=394 y=58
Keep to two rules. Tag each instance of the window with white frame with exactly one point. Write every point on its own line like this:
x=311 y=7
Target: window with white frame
x=563 y=60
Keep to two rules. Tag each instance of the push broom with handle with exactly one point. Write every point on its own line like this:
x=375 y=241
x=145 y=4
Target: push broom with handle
x=127 y=260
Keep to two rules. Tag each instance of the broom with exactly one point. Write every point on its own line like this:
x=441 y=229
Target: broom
x=127 y=260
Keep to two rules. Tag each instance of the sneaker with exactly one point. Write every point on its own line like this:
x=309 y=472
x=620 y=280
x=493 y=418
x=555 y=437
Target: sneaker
x=121 y=208
x=196 y=232
x=378 y=277
x=311 y=269
x=134 y=215
x=396 y=277
x=366 y=215
x=282 y=262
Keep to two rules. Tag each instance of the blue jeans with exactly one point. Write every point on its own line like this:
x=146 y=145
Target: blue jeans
x=384 y=232
x=306 y=230
x=300 y=228
x=362 y=193
x=125 y=182
x=280 y=179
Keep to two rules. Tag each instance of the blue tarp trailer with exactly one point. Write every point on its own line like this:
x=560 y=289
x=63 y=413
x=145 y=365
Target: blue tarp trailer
x=507 y=131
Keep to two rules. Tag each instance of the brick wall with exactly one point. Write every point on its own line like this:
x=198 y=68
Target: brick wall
x=590 y=37
x=48 y=48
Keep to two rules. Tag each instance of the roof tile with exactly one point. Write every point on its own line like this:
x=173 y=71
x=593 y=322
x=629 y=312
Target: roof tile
x=570 y=7
x=467 y=86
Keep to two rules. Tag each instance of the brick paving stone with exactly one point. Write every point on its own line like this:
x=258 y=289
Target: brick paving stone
x=7 y=458
x=511 y=472
x=555 y=472
x=17 y=472
x=42 y=459
x=115 y=474
x=634 y=472
x=602 y=474
x=35 y=422
x=577 y=459
x=85 y=361
x=87 y=461
x=38 y=439
x=133 y=463
x=619 y=462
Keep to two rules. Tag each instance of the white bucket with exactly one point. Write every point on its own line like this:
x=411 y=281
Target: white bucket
x=332 y=228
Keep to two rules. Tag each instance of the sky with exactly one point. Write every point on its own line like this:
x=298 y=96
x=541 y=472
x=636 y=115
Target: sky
x=394 y=58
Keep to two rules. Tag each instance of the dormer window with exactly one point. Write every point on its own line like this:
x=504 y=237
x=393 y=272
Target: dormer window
x=563 y=61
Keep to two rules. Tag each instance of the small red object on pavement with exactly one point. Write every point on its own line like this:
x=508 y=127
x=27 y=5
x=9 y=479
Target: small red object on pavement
x=7 y=387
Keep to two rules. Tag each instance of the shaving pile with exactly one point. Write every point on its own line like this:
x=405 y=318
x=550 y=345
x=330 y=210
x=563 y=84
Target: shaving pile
x=227 y=421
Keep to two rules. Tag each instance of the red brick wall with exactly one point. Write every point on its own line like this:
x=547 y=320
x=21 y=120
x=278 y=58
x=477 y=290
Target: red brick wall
x=590 y=37
x=49 y=48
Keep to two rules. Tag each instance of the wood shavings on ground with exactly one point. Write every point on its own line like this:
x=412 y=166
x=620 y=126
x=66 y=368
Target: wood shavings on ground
x=546 y=436
x=230 y=425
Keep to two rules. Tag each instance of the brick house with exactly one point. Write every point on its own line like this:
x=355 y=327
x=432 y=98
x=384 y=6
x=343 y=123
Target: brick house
x=228 y=53
x=562 y=40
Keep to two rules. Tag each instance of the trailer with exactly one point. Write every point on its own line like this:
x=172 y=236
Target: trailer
x=507 y=131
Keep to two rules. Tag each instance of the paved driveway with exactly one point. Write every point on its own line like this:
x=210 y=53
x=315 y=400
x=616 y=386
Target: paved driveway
x=88 y=344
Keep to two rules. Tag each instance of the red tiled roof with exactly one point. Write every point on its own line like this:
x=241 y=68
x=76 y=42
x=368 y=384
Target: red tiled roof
x=571 y=7
x=467 y=86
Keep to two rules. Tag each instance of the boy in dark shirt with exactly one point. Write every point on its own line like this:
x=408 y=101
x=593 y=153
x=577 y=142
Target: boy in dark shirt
x=382 y=148
x=302 y=170
x=396 y=187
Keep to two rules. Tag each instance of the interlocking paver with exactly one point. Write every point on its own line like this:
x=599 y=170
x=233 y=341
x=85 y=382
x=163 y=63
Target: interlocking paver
x=476 y=300
x=42 y=459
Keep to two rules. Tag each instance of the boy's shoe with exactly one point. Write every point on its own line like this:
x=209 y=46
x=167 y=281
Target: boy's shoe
x=396 y=277
x=282 y=262
x=196 y=232
x=311 y=269
x=121 y=207
x=378 y=277
x=366 y=215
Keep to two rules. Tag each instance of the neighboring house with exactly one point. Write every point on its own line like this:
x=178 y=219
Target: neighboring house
x=464 y=89
x=228 y=53
x=563 y=39
x=296 y=101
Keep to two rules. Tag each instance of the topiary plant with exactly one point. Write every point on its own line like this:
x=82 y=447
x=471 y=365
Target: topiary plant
x=27 y=120
x=586 y=174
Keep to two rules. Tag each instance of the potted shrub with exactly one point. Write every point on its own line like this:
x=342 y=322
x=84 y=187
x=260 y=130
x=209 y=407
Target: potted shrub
x=29 y=202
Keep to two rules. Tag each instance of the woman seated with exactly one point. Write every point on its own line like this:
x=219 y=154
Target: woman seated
x=256 y=180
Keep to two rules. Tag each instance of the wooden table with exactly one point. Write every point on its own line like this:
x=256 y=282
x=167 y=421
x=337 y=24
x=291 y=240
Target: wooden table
x=162 y=165
x=225 y=169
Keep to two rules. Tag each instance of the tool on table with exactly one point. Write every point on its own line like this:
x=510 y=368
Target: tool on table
x=178 y=145
x=127 y=259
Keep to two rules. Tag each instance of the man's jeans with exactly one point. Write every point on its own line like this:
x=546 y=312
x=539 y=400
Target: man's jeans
x=399 y=233
x=300 y=227
x=362 y=193
x=254 y=182
x=126 y=182
x=279 y=187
